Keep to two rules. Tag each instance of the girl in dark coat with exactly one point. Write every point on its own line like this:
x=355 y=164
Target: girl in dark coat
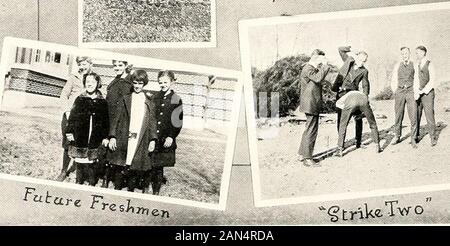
x=119 y=87
x=87 y=130
x=133 y=136
x=169 y=115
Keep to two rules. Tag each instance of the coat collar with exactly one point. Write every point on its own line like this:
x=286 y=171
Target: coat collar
x=98 y=94
x=127 y=100
x=348 y=65
x=161 y=94
x=119 y=79
x=358 y=71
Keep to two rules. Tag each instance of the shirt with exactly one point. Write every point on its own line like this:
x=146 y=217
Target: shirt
x=430 y=84
x=136 y=120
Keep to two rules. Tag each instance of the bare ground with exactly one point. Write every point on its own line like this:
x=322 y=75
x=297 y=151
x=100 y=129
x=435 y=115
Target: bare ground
x=31 y=146
x=283 y=176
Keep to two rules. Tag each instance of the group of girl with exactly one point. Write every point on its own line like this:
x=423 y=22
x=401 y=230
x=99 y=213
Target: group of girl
x=127 y=137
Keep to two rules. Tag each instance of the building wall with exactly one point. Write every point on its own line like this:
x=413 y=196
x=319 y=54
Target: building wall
x=44 y=73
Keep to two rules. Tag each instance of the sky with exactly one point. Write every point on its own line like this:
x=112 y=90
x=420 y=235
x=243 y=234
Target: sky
x=380 y=36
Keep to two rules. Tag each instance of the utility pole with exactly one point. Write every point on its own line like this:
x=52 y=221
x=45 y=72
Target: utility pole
x=38 y=20
x=278 y=53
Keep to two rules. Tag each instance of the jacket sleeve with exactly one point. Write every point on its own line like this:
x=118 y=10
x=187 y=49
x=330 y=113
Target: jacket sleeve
x=152 y=125
x=65 y=95
x=343 y=52
x=73 y=117
x=177 y=119
x=113 y=127
x=365 y=83
x=337 y=83
x=105 y=125
x=316 y=75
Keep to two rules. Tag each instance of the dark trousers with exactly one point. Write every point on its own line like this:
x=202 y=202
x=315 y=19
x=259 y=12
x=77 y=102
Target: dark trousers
x=309 y=136
x=86 y=172
x=65 y=145
x=426 y=103
x=358 y=125
x=347 y=113
x=402 y=97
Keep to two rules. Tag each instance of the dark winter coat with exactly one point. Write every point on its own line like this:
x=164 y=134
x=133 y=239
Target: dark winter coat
x=120 y=130
x=83 y=109
x=115 y=91
x=169 y=116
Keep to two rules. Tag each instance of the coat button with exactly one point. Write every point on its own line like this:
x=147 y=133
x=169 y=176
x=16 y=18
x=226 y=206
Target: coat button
x=162 y=105
x=161 y=113
x=157 y=131
x=159 y=122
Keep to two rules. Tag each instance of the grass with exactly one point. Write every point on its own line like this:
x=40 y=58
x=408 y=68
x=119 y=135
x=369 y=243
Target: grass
x=31 y=146
x=130 y=21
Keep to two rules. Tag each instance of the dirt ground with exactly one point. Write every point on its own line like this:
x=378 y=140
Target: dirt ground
x=282 y=174
x=31 y=146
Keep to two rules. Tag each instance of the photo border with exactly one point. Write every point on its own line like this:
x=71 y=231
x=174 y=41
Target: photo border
x=155 y=45
x=244 y=26
x=10 y=42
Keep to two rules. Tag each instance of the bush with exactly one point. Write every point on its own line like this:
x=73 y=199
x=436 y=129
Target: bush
x=284 y=77
x=385 y=94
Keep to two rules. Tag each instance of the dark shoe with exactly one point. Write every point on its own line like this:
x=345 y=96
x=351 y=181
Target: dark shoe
x=433 y=142
x=311 y=163
x=359 y=146
x=339 y=152
x=396 y=141
x=377 y=148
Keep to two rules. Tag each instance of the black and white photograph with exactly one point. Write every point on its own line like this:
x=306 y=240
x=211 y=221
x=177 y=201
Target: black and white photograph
x=117 y=124
x=348 y=104
x=146 y=23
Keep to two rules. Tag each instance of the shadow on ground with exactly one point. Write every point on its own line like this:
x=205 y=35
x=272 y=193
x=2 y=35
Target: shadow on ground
x=385 y=134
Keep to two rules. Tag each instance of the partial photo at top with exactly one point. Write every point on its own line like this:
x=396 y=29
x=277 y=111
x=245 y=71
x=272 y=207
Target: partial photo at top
x=348 y=104
x=146 y=23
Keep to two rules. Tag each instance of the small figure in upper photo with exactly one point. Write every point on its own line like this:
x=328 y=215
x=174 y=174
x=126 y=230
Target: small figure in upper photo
x=146 y=23
x=312 y=79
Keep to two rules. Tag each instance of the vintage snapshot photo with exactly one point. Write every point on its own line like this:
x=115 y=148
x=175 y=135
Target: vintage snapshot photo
x=146 y=23
x=117 y=124
x=348 y=104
